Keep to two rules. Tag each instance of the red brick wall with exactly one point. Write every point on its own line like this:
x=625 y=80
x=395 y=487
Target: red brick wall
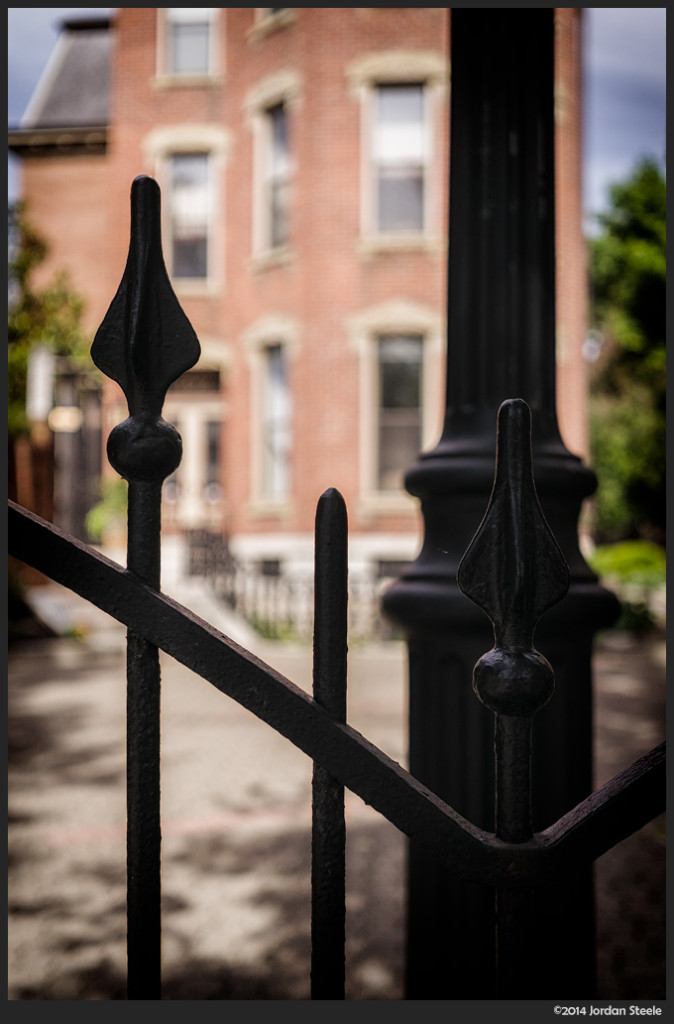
x=67 y=201
x=329 y=278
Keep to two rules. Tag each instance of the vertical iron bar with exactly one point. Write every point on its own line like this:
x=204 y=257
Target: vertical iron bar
x=515 y=571
x=328 y=837
x=520 y=944
x=512 y=752
x=144 y=343
x=517 y=936
x=143 y=764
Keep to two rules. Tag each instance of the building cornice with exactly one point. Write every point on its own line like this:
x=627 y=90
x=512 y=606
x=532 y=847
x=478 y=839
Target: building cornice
x=36 y=142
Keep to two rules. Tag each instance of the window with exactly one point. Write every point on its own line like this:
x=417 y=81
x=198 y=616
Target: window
x=402 y=95
x=189 y=43
x=277 y=176
x=271 y=343
x=399 y=441
x=189 y=215
x=190 y=161
x=269 y=20
x=400 y=346
x=212 y=490
x=399 y=156
x=270 y=105
x=276 y=406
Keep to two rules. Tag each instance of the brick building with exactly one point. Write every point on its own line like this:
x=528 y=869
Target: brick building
x=302 y=155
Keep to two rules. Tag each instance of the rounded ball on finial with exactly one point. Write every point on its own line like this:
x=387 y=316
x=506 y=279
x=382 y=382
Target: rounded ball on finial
x=144 y=448
x=513 y=681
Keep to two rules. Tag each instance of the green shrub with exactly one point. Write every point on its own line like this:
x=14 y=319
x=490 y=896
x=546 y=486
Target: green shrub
x=635 y=570
x=631 y=561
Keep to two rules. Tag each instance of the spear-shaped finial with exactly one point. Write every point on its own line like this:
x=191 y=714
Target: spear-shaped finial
x=144 y=343
x=514 y=570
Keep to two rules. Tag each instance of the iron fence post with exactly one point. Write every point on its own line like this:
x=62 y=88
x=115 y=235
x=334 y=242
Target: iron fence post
x=500 y=345
x=328 y=832
x=515 y=571
x=144 y=343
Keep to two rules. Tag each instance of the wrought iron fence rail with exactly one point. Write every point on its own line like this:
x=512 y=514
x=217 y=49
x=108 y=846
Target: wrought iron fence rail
x=616 y=810
x=613 y=812
x=340 y=749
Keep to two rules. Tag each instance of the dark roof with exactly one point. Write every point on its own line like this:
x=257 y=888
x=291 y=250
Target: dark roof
x=74 y=89
x=69 y=110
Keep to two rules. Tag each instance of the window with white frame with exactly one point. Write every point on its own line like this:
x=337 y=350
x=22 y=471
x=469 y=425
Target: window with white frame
x=277 y=425
x=189 y=162
x=399 y=427
x=277 y=176
x=190 y=42
x=269 y=20
x=400 y=349
x=188 y=215
x=399 y=157
x=212 y=488
x=270 y=105
x=402 y=96
x=271 y=343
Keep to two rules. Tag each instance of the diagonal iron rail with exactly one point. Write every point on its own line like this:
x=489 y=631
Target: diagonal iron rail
x=612 y=813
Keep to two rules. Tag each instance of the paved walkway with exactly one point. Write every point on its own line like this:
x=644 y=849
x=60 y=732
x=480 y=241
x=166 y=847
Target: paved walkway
x=235 y=810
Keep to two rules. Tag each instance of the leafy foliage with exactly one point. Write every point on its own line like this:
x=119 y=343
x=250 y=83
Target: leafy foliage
x=636 y=571
x=50 y=317
x=110 y=511
x=631 y=561
x=627 y=406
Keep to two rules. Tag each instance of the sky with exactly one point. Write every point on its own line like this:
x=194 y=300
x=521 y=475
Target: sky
x=624 y=87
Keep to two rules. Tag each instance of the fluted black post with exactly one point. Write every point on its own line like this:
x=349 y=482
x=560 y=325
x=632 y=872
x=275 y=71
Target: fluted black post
x=500 y=345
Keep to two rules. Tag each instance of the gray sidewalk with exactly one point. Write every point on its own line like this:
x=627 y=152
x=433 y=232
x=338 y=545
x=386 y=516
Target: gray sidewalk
x=235 y=812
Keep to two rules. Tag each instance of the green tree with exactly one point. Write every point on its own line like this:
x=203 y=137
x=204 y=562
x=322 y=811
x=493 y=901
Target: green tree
x=627 y=394
x=49 y=317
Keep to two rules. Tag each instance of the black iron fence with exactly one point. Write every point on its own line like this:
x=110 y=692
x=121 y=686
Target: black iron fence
x=513 y=569
x=500 y=900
